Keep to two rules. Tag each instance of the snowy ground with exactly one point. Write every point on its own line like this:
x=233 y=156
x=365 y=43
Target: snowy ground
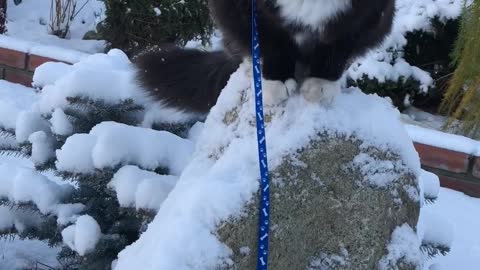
x=29 y=21
x=462 y=212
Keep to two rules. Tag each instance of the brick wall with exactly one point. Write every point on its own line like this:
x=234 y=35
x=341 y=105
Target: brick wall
x=456 y=170
x=18 y=67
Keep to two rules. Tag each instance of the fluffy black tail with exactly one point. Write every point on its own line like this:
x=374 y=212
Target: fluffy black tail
x=186 y=79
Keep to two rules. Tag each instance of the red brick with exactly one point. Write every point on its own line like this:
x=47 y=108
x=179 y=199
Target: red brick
x=442 y=158
x=468 y=187
x=36 y=61
x=18 y=76
x=12 y=58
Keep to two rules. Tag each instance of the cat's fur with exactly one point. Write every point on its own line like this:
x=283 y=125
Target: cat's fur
x=306 y=41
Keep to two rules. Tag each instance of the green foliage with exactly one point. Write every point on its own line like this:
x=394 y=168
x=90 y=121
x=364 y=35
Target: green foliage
x=398 y=91
x=462 y=99
x=433 y=250
x=84 y=113
x=131 y=25
x=428 y=51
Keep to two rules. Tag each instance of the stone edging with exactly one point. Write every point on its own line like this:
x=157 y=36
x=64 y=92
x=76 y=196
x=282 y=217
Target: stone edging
x=456 y=170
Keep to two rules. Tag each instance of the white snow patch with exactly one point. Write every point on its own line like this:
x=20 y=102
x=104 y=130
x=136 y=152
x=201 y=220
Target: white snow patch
x=404 y=245
x=29 y=122
x=42 y=147
x=50 y=72
x=24 y=254
x=7 y=219
x=83 y=236
x=109 y=144
x=430 y=184
x=436 y=230
x=379 y=173
x=68 y=213
x=443 y=140
x=455 y=214
x=141 y=189
x=14 y=98
x=195 y=132
x=60 y=123
x=58 y=53
x=21 y=185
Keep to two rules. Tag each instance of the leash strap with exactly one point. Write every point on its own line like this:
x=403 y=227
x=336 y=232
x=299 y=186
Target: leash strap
x=264 y=219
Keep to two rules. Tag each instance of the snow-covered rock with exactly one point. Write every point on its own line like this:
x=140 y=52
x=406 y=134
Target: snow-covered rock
x=344 y=179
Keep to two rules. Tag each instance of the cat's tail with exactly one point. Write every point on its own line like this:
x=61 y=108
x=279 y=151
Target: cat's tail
x=188 y=80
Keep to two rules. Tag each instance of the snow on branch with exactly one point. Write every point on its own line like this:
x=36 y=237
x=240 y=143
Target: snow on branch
x=110 y=144
x=141 y=189
x=23 y=185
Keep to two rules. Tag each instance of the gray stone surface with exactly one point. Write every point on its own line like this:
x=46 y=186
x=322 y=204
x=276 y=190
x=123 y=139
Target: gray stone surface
x=324 y=215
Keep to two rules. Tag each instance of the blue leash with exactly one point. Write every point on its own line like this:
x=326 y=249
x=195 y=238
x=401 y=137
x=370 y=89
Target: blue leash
x=264 y=219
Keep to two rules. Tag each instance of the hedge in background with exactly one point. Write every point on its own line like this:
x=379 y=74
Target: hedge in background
x=132 y=25
x=429 y=51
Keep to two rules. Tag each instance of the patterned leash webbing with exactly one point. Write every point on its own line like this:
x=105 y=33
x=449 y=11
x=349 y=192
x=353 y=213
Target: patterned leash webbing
x=262 y=261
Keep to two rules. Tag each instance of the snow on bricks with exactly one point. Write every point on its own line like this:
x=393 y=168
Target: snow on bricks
x=454 y=158
x=19 y=59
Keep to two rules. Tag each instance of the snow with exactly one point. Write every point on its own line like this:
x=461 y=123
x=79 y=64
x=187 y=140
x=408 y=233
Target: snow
x=21 y=185
x=458 y=215
x=49 y=72
x=195 y=131
x=141 y=189
x=7 y=219
x=109 y=144
x=14 y=98
x=24 y=254
x=404 y=246
x=377 y=172
x=443 y=140
x=222 y=175
x=61 y=54
x=68 y=213
x=42 y=147
x=436 y=230
x=83 y=236
x=28 y=30
x=29 y=122
x=60 y=123
x=430 y=184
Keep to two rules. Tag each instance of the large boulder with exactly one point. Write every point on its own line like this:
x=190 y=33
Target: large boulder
x=325 y=212
x=344 y=190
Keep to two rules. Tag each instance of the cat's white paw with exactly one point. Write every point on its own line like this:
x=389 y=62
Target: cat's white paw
x=320 y=90
x=275 y=92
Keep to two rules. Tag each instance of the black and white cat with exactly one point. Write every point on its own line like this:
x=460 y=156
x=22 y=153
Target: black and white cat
x=311 y=42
